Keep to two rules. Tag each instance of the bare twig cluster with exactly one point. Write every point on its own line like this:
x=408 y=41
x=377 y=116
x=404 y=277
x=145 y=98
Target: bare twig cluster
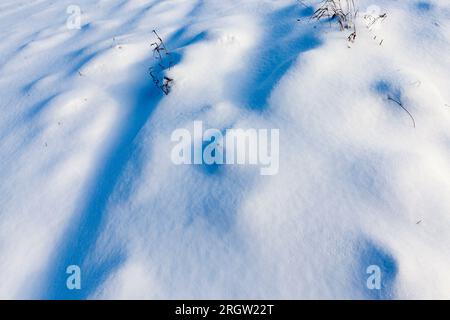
x=163 y=62
x=372 y=20
x=343 y=12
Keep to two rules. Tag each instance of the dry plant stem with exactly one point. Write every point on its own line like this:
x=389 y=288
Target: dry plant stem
x=401 y=105
x=159 y=46
x=160 y=52
x=345 y=14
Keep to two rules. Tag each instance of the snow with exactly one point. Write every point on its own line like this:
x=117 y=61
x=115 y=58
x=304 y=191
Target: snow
x=85 y=142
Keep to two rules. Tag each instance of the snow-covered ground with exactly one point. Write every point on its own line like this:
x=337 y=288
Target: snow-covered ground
x=86 y=176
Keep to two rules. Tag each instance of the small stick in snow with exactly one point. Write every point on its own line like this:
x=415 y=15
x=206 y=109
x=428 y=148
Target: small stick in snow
x=167 y=85
x=401 y=105
x=351 y=38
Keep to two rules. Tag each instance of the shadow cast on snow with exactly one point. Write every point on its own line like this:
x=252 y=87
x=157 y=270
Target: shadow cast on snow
x=84 y=229
x=285 y=41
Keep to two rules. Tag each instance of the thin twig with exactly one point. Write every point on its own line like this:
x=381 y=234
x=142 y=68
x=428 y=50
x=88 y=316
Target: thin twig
x=401 y=105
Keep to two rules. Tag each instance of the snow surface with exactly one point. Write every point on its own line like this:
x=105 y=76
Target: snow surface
x=86 y=176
